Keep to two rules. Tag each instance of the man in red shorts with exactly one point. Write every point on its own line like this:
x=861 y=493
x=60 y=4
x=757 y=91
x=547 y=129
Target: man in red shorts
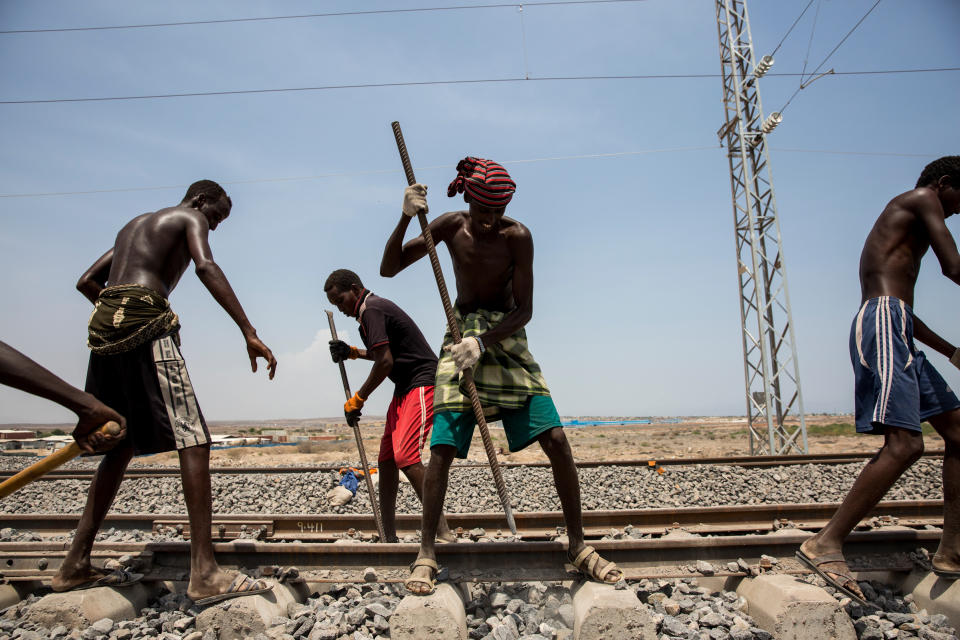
x=398 y=351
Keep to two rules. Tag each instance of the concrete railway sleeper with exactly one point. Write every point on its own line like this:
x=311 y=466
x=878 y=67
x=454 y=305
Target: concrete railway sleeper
x=339 y=590
x=726 y=571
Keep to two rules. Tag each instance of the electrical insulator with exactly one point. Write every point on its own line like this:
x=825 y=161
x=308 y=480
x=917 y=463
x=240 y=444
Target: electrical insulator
x=771 y=122
x=761 y=69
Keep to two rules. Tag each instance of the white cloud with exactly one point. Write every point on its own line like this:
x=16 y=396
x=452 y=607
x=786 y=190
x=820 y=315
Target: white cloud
x=307 y=385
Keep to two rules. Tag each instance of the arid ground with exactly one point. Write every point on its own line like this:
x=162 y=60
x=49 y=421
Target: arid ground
x=692 y=437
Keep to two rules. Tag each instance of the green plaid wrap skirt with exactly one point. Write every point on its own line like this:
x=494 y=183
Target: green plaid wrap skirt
x=506 y=374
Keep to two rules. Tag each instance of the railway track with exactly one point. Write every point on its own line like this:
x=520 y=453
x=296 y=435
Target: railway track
x=737 y=461
x=338 y=547
x=543 y=525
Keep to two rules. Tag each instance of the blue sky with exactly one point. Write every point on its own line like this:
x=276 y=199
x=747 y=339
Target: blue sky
x=635 y=309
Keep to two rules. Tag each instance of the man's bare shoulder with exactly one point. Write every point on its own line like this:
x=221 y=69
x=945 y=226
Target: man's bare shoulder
x=514 y=230
x=914 y=202
x=448 y=225
x=452 y=218
x=166 y=216
x=179 y=213
x=162 y=226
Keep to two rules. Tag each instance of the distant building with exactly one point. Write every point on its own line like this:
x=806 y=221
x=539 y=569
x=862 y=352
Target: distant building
x=11 y=434
x=55 y=442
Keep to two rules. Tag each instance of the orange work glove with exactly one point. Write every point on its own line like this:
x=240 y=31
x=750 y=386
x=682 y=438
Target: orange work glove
x=351 y=409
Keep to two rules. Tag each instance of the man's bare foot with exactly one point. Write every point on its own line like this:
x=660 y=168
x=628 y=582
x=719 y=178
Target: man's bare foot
x=211 y=584
x=446 y=536
x=421 y=581
x=831 y=566
x=65 y=580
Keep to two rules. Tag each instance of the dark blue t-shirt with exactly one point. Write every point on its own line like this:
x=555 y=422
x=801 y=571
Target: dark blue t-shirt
x=414 y=362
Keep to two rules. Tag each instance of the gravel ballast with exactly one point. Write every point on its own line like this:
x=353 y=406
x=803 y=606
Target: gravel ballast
x=681 y=609
x=471 y=490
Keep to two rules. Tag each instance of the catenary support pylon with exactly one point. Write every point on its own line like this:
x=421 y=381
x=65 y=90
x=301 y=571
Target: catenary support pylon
x=771 y=372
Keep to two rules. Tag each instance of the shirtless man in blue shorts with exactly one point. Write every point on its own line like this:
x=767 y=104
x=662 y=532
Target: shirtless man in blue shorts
x=896 y=387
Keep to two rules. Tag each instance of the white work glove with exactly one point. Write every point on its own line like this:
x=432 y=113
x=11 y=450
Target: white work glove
x=955 y=359
x=465 y=354
x=415 y=200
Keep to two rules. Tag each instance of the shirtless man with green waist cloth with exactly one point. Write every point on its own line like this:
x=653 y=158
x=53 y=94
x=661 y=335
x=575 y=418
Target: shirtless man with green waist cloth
x=136 y=367
x=493 y=264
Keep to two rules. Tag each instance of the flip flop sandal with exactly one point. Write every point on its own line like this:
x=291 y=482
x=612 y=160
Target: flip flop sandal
x=431 y=582
x=118 y=578
x=947 y=574
x=589 y=563
x=241 y=586
x=814 y=563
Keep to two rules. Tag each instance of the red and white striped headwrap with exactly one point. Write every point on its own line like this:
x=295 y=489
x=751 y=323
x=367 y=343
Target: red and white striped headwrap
x=484 y=180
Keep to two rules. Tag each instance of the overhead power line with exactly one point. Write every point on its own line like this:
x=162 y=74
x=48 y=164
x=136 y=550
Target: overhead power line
x=343 y=174
x=856 y=153
x=331 y=14
x=420 y=83
x=784 y=38
x=804 y=85
x=813 y=29
x=844 y=39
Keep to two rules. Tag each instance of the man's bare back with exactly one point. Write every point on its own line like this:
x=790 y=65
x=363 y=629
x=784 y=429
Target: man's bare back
x=908 y=226
x=152 y=249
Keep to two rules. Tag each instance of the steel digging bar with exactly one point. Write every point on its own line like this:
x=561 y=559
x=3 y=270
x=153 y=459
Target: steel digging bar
x=455 y=332
x=356 y=432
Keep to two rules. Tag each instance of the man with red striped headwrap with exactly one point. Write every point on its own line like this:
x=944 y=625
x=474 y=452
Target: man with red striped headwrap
x=493 y=263
x=484 y=181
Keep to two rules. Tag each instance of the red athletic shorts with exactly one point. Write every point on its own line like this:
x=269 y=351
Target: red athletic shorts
x=409 y=419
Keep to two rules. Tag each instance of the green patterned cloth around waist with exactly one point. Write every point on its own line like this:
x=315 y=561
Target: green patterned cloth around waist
x=126 y=316
x=506 y=374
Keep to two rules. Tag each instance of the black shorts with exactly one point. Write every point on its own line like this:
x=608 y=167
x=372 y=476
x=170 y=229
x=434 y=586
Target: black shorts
x=150 y=387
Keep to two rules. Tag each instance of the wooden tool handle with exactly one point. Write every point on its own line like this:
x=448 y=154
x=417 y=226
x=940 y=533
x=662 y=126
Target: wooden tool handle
x=51 y=462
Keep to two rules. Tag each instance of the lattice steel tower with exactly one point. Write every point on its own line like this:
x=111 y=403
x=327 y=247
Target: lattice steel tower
x=771 y=371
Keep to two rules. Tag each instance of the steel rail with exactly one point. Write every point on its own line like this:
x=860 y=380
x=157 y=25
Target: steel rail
x=502 y=561
x=545 y=525
x=651 y=462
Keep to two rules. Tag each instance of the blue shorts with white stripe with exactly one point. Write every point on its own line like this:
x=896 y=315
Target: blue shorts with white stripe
x=895 y=385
